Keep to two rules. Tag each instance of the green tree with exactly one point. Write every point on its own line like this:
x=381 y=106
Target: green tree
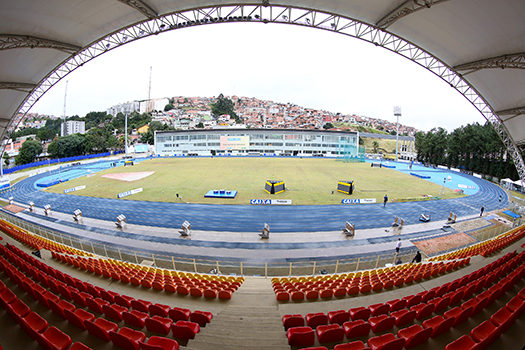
x=99 y=140
x=7 y=159
x=375 y=146
x=28 y=152
x=224 y=105
x=200 y=125
x=67 y=146
x=327 y=126
x=44 y=134
x=168 y=107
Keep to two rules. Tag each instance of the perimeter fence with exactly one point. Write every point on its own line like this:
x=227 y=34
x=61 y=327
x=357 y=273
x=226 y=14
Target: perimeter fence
x=232 y=267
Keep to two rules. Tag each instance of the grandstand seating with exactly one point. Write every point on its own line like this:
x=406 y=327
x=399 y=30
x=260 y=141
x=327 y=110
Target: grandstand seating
x=485 y=248
x=449 y=305
x=183 y=283
x=325 y=287
x=26 y=271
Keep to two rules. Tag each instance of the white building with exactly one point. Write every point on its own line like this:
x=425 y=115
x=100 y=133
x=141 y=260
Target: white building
x=127 y=107
x=72 y=127
x=257 y=141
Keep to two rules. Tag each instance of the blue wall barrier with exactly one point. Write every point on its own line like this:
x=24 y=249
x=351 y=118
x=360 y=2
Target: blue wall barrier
x=59 y=160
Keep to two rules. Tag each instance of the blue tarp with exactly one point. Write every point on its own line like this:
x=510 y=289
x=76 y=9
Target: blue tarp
x=512 y=214
x=59 y=160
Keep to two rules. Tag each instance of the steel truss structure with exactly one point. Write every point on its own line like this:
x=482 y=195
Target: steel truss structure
x=24 y=87
x=266 y=13
x=516 y=60
x=13 y=41
x=142 y=7
x=406 y=8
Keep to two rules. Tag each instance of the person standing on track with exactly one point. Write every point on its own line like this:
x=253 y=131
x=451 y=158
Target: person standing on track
x=398 y=245
x=385 y=200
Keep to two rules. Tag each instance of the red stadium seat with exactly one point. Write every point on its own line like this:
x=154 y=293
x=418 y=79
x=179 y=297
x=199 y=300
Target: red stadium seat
x=159 y=324
x=201 y=317
x=403 y=317
x=53 y=338
x=290 y=321
x=438 y=324
x=330 y=333
x=460 y=315
x=379 y=309
x=114 y=311
x=422 y=310
x=463 y=343
x=179 y=314
x=356 y=329
x=79 y=346
x=381 y=323
x=140 y=305
x=316 y=319
x=484 y=334
x=33 y=324
x=135 y=318
x=101 y=328
x=338 y=316
x=127 y=338
x=78 y=317
x=159 y=343
x=185 y=330
x=159 y=310
x=386 y=341
x=300 y=336
x=396 y=304
x=96 y=304
x=355 y=345
x=414 y=335
x=359 y=313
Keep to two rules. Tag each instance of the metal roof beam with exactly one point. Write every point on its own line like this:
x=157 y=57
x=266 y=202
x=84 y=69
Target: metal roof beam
x=142 y=7
x=405 y=9
x=24 y=87
x=15 y=41
x=512 y=111
x=514 y=60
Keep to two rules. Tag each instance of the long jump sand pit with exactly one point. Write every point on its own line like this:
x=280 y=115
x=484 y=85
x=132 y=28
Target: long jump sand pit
x=129 y=176
x=439 y=244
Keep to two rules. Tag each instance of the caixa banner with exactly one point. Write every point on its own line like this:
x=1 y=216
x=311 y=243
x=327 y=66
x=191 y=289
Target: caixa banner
x=358 y=201
x=270 y=201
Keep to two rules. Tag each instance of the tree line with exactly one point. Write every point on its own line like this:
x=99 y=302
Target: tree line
x=472 y=148
x=101 y=127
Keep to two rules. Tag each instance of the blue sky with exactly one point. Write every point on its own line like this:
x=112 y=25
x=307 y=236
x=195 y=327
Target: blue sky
x=283 y=63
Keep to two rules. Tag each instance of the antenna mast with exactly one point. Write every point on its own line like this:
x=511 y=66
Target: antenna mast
x=65 y=98
x=149 y=88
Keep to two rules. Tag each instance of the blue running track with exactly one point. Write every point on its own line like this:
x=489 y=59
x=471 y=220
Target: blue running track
x=250 y=218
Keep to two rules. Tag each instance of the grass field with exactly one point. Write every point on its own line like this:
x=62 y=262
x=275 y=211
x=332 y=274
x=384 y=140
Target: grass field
x=308 y=181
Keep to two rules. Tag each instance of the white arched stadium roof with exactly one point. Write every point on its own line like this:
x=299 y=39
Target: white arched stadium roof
x=478 y=46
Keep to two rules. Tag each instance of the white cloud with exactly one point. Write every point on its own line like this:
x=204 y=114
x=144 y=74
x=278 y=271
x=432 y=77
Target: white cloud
x=308 y=67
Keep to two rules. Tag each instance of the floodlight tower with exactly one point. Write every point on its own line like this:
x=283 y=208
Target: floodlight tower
x=397 y=114
x=126 y=134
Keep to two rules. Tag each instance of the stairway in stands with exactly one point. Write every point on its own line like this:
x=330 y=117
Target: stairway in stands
x=242 y=326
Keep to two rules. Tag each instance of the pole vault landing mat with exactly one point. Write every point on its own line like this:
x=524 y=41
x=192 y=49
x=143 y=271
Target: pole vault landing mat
x=435 y=245
x=220 y=194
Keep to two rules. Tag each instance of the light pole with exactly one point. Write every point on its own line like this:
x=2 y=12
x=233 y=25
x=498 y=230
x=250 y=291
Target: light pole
x=397 y=113
x=126 y=134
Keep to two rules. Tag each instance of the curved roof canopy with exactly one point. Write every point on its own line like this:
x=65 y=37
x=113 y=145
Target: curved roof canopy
x=479 y=44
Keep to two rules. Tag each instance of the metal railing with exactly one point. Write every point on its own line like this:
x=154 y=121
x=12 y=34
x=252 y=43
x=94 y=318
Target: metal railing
x=232 y=267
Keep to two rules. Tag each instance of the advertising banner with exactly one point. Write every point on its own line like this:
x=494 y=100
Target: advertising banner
x=358 y=201
x=270 y=201
x=73 y=189
x=235 y=142
x=130 y=192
